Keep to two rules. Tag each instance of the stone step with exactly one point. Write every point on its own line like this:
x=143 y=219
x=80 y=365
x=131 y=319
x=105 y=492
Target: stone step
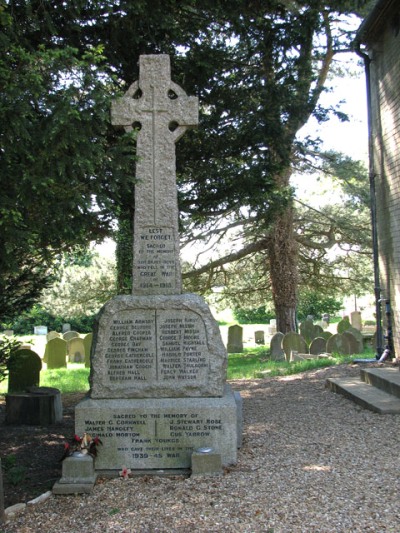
x=386 y=379
x=365 y=395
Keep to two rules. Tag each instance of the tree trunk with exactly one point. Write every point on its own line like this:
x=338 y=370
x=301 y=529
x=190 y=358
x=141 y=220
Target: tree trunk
x=282 y=252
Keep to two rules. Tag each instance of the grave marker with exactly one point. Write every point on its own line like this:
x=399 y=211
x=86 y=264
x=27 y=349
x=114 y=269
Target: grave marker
x=158 y=368
x=55 y=355
x=24 y=370
x=277 y=353
x=235 y=339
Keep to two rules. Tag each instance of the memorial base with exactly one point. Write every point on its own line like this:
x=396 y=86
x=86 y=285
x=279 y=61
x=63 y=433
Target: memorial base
x=160 y=433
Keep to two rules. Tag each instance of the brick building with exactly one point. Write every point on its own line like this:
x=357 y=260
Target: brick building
x=378 y=41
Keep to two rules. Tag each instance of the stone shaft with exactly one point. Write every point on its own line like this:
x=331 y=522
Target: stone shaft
x=163 y=112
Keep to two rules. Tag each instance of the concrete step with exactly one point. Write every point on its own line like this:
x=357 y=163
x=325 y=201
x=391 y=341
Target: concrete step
x=386 y=379
x=365 y=395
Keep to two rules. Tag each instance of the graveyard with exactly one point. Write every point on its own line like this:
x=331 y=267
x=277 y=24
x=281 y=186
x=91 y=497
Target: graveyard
x=176 y=131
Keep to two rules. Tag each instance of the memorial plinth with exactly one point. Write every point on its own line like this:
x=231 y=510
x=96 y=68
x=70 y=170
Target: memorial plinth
x=158 y=365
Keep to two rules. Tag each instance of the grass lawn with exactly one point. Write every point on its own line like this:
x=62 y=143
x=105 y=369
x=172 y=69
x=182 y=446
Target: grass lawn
x=246 y=365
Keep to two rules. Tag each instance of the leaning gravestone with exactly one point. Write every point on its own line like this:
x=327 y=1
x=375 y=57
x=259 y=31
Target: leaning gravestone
x=24 y=370
x=235 y=339
x=158 y=370
x=277 y=353
x=55 y=355
x=293 y=342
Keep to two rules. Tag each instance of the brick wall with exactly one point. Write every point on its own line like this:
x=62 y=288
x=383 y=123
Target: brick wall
x=385 y=88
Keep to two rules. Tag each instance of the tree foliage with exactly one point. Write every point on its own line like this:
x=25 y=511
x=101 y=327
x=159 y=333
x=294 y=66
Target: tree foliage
x=258 y=69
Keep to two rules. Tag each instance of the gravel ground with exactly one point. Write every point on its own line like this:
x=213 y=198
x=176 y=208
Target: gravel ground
x=311 y=461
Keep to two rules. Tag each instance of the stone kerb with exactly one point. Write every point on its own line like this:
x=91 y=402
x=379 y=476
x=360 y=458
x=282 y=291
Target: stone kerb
x=157 y=346
x=293 y=342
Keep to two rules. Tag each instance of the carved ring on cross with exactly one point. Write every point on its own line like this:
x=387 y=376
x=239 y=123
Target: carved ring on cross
x=174 y=92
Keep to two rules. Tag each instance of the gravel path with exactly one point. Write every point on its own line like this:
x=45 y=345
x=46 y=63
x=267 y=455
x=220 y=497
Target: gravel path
x=311 y=461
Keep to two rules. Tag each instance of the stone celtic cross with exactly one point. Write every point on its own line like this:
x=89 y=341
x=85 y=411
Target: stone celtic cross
x=163 y=112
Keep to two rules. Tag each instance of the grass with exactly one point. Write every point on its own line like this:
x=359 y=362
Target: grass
x=247 y=365
x=253 y=361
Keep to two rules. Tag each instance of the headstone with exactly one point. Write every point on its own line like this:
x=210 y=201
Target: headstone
x=40 y=330
x=53 y=335
x=8 y=332
x=158 y=365
x=318 y=346
x=55 y=355
x=272 y=326
x=68 y=335
x=354 y=343
x=24 y=370
x=235 y=339
x=277 y=353
x=87 y=341
x=76 y=350
x=338 y=344
x=259 y=337
x=293 y=342
x=326 y=335
x=343 y=325
x=66 y=327
x=356 y=320
x=326 y=317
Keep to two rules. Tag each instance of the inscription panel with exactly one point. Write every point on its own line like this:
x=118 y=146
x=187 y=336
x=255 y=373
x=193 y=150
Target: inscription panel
x=158 y=436
x=143 y=352
x=155 y=257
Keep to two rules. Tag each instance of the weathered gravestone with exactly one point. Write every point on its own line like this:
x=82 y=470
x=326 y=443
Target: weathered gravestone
x=158 y=369
x=338 y=344
x=343 y=325
x=68 y=335
x=259 y=337
x=235 y=339
x=318 y=346
x=356 y=320
x=55 y=355
x=277 y=353
x=293 y=342
x=87 y=341
x=309 y=331
x=53 y=335
x=24 y=368
x=354 y=344
x=76 y=350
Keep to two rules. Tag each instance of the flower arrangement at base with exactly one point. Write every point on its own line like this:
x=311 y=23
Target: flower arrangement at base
x=85 y=445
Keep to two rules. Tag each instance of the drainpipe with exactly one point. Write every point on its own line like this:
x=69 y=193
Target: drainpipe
x=372 y=176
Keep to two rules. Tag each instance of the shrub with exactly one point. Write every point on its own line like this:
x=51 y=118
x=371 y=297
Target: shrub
x=315 y=303
x=37 y=316
x=253 y=316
